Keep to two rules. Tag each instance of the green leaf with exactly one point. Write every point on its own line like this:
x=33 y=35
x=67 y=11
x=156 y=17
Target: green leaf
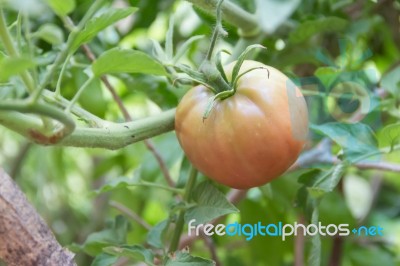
x=114 y=234
x=156 y=88
x=97 y=24
x=104 y=260
x=182 y=258
x=126 y=61
x=391 y=82
x=357 y=140
x=312 y=27
x=11 y=66
x=371 y=256
x=116 y=183
x=327 y=75
x=62 y=7
x=185 y=47
x=319 y=183
x=389 y=136
x=272 y=13
x=211 y=204
x=135 y=252
x=50 y=33
x=155 y=235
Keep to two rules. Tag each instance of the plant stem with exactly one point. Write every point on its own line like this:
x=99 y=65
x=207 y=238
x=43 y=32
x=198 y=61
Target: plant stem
x=63 y=68
x=40 y=109
x=217 y=31
x=180 y=222
x=12 y=51
x=155 y=185
x=82 y=114
x=79 y=93
x=109 y=136
x=67 y=49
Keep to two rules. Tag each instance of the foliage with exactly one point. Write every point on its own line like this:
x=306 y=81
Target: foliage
x=58 y=60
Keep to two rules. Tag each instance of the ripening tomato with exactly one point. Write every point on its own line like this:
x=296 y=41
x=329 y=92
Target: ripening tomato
x=249 y=138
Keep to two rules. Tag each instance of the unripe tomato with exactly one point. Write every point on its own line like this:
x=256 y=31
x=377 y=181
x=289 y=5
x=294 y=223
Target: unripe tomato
x=249 y=138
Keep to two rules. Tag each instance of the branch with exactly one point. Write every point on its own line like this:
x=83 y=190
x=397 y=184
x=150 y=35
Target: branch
x=47 y=111
x=109 y=136
x=384 y=166
x=125 y=210
x=26 y=239
x=321 y=154
x=232 y=13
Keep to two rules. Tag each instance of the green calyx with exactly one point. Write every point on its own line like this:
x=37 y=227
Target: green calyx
x=212 y=75
x=233 y=83
x=211 y=72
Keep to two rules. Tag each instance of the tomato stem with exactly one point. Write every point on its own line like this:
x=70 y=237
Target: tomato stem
x=219 y=30
x=181 y=221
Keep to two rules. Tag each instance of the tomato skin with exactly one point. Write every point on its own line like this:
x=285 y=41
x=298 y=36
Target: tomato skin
x=249 y=138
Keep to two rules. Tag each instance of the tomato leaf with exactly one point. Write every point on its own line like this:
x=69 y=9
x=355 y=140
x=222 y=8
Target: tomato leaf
x=182 y=258
x=211 y=204
x=114 y=234
x=126 y=61
x=62 y=8
x=312 y=27
x=10 y=66
x=391 y=82
x=97 y=24
x=155 y=235
x=318 y=183
x=185 y=47
x=390 y=135
x=104 y=260
x=135 y=252
x=357 y=140
x=50 y=33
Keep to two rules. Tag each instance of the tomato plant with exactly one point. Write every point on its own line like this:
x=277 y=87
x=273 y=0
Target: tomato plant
x=140 y=129
x=249 y=138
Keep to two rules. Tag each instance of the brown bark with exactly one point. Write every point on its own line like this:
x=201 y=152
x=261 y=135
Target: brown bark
x=25 y=239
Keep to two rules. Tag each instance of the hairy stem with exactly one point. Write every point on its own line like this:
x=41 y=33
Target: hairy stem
x=79 y=93
x=109 y=135
x=37 y=133
x=180 y=222
x=217 y=31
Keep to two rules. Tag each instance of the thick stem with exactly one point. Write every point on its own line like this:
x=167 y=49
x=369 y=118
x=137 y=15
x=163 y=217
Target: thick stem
x=47 y=111
x=180 y=222
x=109 y=135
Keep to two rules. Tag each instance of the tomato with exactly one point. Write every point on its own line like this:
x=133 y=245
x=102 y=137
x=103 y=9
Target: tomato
x=249 y=138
